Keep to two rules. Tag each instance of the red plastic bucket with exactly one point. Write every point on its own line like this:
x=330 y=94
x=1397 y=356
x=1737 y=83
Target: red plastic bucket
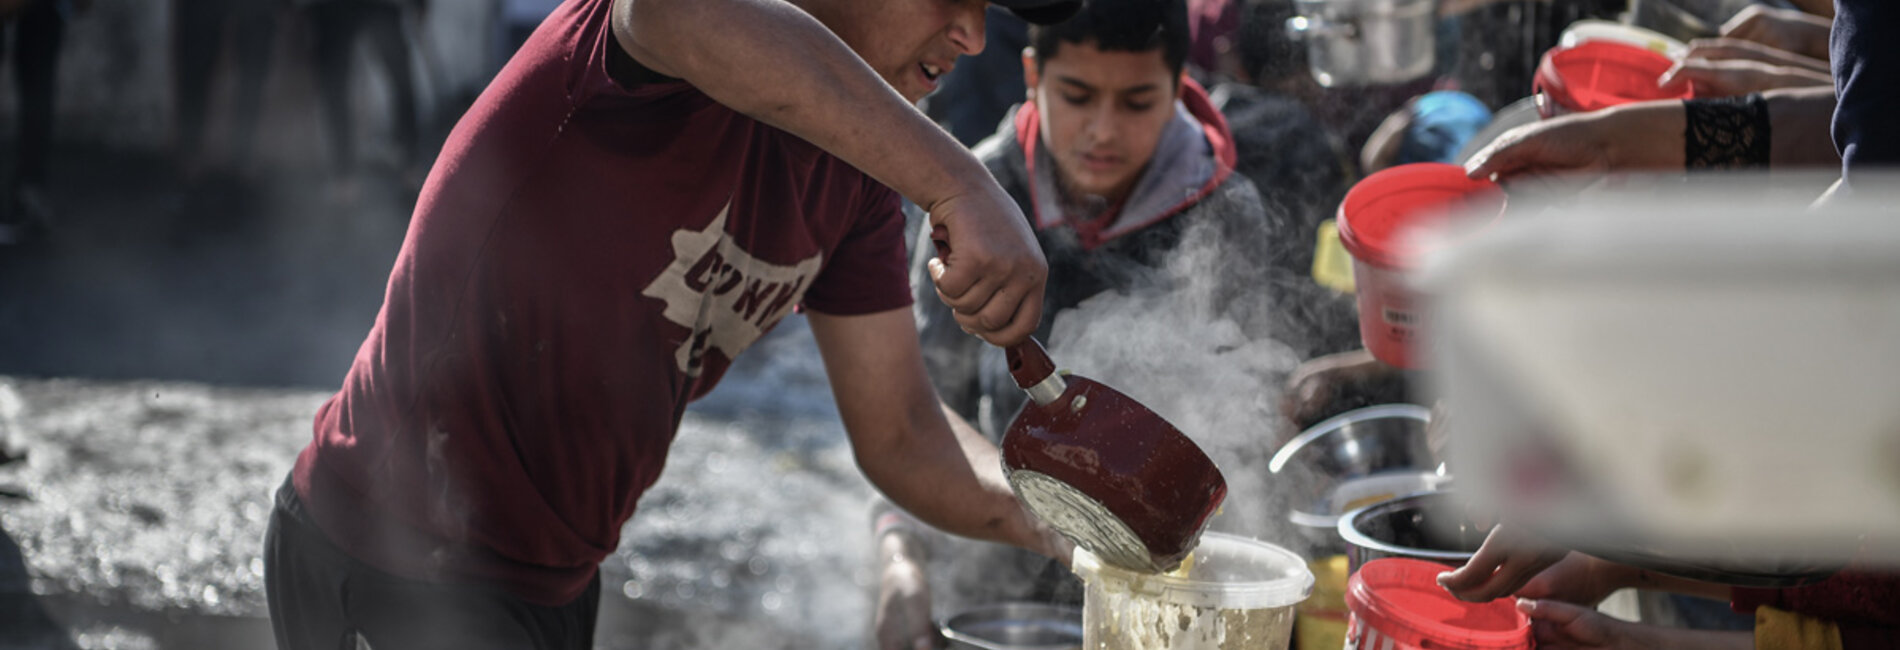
x=1376 y=220
x=1599 y=74
x=1396 y=604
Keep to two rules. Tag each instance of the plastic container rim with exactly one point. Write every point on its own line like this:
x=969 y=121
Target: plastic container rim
x=1294 y=586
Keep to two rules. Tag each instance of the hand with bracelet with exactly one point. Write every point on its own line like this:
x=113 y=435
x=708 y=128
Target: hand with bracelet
x=1776 y=130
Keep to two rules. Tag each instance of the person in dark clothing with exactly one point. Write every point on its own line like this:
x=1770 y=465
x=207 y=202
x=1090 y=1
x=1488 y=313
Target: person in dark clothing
x=244 y=32
x=337 y=25
x=35 y=31
x=1866 y=86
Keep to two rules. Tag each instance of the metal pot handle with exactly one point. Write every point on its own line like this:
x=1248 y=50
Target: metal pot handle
x=1302 y=27
x=955 y=637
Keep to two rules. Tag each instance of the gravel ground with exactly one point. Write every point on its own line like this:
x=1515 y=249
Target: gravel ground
x=140 y=511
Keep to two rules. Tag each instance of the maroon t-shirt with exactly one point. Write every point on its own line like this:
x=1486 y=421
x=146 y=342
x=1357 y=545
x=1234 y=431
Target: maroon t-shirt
x=584 y=261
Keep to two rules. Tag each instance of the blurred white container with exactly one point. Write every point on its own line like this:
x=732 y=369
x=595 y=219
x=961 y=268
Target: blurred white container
x=1705 y=378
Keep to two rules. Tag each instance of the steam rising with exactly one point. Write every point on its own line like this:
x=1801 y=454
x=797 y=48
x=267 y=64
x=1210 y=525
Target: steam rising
x=1175 y=347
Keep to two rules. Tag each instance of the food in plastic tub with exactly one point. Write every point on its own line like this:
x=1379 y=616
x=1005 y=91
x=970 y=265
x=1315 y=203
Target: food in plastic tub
x=1233 y=593
x=1377 y=221
x=1397 y=604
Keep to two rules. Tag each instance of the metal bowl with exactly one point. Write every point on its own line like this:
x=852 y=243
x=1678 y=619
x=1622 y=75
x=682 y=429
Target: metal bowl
x=1351 y=445
x=1015 y=626
x=1425 y=526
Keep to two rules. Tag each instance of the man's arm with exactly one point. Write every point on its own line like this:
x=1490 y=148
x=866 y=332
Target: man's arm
x=772 y=61
x=948 y=476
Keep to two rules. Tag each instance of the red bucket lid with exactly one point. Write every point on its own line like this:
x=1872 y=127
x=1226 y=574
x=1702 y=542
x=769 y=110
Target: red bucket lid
x=1599 y=74
x=1400 y=598
x=1380 y=210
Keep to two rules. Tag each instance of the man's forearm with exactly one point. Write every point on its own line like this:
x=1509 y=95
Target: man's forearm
x=930 y=481
x=772 y=61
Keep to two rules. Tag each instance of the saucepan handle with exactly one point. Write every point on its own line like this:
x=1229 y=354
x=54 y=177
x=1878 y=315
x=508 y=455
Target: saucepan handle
x=1028 y=362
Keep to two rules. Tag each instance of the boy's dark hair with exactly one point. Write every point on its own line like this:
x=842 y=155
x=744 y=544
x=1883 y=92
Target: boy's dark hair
x=1120 y=26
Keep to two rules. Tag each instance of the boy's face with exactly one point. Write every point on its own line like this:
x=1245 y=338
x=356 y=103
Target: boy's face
x=911 y=43
x=1102 y=114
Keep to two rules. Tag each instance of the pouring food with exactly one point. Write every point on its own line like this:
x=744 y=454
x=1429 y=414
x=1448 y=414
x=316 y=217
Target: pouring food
x=1103 y=470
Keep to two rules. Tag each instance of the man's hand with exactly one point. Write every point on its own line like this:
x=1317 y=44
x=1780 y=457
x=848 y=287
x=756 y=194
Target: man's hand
x=1509 y=558
x=1313 y=385
x=1563 y=626
x=902 y=620
x=1735 y=49
x=1734 y=77
x=1579 y=579
x=1587 y=146
x=1784 y=29
x=989 y=269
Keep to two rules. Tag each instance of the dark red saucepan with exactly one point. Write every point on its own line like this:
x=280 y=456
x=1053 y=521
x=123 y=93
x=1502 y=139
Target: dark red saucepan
x=1105 y=471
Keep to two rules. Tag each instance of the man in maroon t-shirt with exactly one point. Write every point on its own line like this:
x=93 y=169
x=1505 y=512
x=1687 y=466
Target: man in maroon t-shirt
x=646 y=189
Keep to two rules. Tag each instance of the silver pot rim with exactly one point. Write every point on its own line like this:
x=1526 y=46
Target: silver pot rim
x=1351 y=533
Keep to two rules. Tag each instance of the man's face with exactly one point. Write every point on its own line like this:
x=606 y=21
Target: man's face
x=911 y=43
x=1102 y=114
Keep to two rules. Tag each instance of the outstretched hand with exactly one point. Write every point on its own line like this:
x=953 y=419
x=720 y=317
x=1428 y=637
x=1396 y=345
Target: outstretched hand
x=1584 y=147
x=1563 y=626
x=1782 y=29
x=1509 y=558
x=1578 y=579
x=902 y=618
x=1735 y=77
x=989 y=268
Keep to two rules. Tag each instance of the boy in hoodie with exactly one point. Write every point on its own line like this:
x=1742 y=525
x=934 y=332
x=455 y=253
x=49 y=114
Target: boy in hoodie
x=1125 y=171
x=1121 y=163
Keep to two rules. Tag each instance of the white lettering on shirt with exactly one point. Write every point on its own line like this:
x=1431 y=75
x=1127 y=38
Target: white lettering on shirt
x=727 y=297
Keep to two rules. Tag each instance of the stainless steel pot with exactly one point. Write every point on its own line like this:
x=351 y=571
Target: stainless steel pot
x=1356 y=42
x=1375 y=440
x=1015 y=626
x=1425 y=526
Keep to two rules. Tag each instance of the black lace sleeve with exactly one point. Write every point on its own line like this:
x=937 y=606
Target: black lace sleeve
x=1725 y=133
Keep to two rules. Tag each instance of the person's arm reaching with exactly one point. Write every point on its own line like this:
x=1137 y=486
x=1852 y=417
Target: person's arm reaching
x=1649 y=136
x=948 y=476
x=772 y=61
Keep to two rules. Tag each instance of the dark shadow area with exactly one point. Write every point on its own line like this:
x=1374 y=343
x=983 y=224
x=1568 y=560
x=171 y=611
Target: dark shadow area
x=24 y=621
x=254 y=277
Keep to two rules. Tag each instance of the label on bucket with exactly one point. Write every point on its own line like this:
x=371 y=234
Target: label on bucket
x=1400 y=318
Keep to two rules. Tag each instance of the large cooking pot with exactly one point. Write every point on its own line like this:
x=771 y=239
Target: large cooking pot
x=1358 y=42
x=1430 y=526
x=1015 y=626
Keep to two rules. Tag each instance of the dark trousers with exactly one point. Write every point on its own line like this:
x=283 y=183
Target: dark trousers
x=37 y=32
x=202 y=30
x=322 y=599
x=337 y=25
